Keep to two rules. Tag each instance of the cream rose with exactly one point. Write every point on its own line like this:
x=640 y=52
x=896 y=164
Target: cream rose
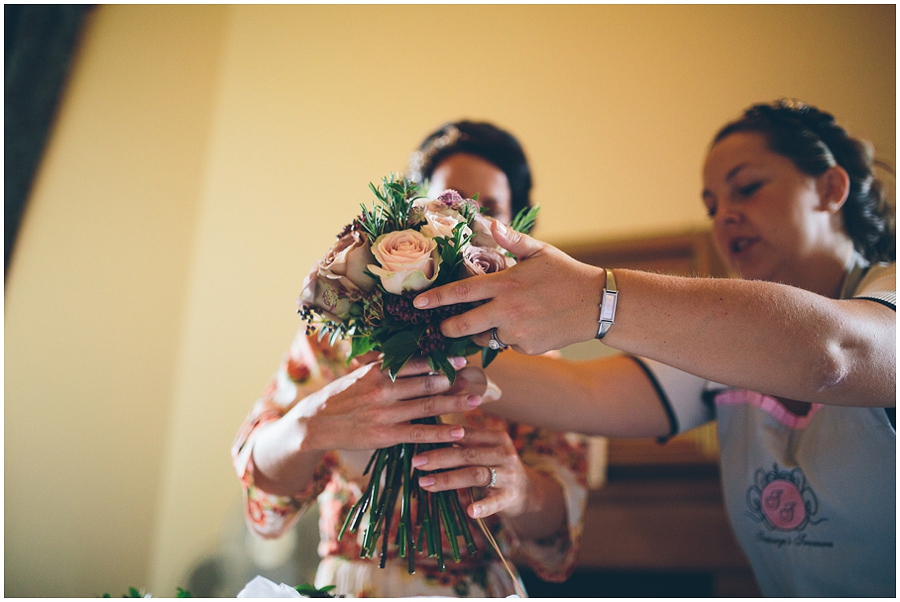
x=409 y=261
x=441 y=219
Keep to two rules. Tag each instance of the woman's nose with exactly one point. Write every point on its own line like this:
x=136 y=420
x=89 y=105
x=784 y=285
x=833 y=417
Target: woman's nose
x=728 y=214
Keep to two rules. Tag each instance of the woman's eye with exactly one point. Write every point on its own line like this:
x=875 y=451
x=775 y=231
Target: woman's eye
x=749 y=189
x=711 y=211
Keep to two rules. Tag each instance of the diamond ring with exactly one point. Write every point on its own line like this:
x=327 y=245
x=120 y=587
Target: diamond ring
x=493 y=476
x=495 y=343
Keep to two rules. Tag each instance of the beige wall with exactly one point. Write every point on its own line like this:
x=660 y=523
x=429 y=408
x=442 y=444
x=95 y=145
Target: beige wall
x=206 y=155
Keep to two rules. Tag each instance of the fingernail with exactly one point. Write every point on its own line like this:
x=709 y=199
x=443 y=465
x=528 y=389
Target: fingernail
x=476 y=510
x=419 y=461
x=458 y=432
x=501 y=227
x=426 y=481
x=473 y=401
x=458 y=362
x=420 y=301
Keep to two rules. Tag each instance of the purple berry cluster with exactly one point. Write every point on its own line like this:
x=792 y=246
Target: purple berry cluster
x=401 y=308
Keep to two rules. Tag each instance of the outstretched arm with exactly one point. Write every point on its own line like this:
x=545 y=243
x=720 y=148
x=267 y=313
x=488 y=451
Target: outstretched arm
x=769 y=337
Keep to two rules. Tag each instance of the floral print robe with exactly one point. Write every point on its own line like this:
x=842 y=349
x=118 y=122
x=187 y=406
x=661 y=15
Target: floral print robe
x=309 y=365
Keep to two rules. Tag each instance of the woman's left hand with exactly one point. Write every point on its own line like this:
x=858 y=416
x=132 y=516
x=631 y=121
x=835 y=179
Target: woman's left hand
x=469 y=464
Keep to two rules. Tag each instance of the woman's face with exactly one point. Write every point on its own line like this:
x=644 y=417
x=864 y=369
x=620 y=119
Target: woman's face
x=770 y=220
x=470 y=175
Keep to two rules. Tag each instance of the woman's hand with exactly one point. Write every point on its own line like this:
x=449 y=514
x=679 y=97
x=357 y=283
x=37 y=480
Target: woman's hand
x=365 y=409
x=531 y=501
x=546 y=301
x=361 y=410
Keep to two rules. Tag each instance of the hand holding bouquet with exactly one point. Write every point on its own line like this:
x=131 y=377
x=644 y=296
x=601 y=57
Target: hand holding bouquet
x=362 y=290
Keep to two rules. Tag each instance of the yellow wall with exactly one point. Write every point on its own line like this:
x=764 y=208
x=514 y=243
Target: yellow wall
x=206 y=155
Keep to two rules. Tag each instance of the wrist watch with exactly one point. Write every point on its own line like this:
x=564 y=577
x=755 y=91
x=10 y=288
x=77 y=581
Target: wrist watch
x=608 y=305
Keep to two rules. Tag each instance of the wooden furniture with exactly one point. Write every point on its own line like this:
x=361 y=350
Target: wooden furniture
x=658 y=526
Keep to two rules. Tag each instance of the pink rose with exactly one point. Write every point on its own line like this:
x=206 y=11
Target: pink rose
x=484 y=260
x=337 y=280
x=409 y=261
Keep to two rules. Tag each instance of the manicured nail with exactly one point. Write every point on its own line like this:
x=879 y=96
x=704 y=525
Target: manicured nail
x=476 y=510
x=426 y=481
x=458 y=432
x=420 y=301
x=501 y=228
x=419 y=461
x=473 y=401
x=458 y=362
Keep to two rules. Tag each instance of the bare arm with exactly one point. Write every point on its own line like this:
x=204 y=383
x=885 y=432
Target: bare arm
x=768 y=337
x=609 y=396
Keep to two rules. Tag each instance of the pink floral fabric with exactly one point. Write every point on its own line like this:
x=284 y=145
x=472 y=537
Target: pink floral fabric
x=309 y=365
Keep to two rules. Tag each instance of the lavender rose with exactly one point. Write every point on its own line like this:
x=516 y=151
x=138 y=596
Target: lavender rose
x=481 y=232
x=484 y=260
x=409 y=261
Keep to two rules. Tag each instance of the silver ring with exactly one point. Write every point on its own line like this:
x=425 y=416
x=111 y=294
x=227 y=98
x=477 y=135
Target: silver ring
x=495 y=343
x=493 y=476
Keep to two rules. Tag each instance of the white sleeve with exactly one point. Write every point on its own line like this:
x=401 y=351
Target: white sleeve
x=682 y=395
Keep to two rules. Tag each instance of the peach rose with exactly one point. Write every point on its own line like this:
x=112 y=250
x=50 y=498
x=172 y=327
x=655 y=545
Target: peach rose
x=409 y=261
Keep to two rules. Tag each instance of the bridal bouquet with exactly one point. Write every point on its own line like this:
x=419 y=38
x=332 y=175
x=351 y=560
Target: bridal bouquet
x=362 y=290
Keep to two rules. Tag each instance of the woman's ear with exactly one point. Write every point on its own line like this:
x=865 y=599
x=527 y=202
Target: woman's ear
x=833 y=187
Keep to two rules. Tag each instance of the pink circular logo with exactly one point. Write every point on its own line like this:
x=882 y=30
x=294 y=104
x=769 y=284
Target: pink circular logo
x=783 y=505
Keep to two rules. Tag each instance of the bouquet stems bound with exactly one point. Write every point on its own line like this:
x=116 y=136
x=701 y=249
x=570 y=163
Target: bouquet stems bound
x=362 y=291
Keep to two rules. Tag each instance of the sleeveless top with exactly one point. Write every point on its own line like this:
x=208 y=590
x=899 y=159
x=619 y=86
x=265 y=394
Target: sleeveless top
x=811 y=499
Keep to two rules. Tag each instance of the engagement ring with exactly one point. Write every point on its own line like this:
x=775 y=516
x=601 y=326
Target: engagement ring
x=495 y=343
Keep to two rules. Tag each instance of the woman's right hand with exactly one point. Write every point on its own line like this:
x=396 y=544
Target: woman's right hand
x=361 y=410
x=365 y=409
x=548 y=300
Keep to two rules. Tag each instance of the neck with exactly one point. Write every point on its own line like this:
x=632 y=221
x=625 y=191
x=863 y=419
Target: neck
x=825 y=274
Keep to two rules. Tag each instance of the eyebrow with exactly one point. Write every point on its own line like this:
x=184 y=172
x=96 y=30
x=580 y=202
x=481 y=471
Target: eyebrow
x=735 y=170
x=728 y=177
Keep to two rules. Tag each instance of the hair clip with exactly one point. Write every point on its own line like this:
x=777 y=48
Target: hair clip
x=791 y=104
x=419 y=159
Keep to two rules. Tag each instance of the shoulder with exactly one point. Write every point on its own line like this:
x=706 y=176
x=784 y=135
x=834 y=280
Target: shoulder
x=879 y=284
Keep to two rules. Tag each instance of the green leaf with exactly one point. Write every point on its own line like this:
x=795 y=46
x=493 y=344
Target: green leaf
x=183 y=593
x=359 y=346
x=487 y=356
x=310 y=591
x=524 y=220
x=457 y=347
x=440 y=359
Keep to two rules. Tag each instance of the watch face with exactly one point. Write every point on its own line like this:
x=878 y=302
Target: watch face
x=608 y=306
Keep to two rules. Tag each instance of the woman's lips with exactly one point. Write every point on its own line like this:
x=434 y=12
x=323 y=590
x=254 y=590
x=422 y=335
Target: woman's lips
x=739 y=245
